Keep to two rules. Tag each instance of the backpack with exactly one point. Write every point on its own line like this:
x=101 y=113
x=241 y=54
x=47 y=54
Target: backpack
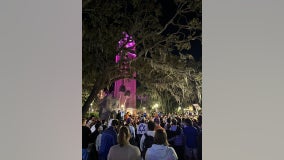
x=149 y=140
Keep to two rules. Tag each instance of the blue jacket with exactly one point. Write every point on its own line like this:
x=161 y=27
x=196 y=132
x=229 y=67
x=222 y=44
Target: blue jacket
x=191 y=134
x=108 y=139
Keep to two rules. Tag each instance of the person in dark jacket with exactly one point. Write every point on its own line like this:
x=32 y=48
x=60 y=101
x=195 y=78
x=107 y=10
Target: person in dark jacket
x=108 y=139
x=85 y=139
x=191 y=134
x=93 y=154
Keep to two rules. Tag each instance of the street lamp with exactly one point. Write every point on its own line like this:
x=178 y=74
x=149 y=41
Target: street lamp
x=155 y=106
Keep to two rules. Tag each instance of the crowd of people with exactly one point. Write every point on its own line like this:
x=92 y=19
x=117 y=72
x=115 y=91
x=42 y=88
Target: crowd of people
x=142 y=137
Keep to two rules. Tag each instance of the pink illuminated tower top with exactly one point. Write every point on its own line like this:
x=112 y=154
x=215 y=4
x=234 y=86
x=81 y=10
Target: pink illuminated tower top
x=127 y=44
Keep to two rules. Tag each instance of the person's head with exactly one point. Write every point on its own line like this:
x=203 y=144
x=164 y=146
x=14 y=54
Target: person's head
x=93 y=118
x=157 y=121
x=151 y=126
x=114 y=122
x=188 y=122
x=160 y=137
x=123 y=136
x=97 y=125
x=128 y=121
x=169 y=120
x=100 y=129
x=104 y=126
x=174 y=122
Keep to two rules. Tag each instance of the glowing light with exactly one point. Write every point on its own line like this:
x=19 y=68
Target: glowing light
x=179 y=108
x=131 y=55
x=117 y=58
x=155 y=106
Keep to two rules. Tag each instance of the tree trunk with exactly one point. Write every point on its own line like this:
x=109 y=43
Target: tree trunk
x=92 y=96
x=90 y=99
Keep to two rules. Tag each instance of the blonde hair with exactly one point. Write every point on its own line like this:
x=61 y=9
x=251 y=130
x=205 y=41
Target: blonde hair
x=123 y=136
x=161 y=137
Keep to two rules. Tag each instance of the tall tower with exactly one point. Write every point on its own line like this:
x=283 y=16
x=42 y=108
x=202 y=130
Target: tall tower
x=125 y=88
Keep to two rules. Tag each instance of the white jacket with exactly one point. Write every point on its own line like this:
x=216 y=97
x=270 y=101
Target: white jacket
x=160 y=152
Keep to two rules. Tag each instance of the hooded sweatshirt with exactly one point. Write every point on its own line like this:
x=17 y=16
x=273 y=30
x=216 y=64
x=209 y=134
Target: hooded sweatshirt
x=160 y=152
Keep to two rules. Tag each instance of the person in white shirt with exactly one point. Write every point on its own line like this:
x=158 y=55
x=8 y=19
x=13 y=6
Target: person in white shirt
x=160 y=150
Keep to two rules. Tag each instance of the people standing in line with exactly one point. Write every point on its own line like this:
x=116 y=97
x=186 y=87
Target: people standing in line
x=86 y=132
x=191 y=135
x=108 y=139
x=124 y=150
x=160 y=150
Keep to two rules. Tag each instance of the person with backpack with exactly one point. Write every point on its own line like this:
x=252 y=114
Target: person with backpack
x=147 y=139
x=160 y=150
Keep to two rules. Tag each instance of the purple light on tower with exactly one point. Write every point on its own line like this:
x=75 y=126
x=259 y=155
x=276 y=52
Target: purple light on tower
x=127 y=42
x=126 y=52
x=131 y=55
x=117 y=58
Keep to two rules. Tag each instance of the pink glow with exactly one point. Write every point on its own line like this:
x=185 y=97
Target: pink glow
x=131 y=55
x=130 y=44
x=130 y=84
x=117 y=58
x=127 y=42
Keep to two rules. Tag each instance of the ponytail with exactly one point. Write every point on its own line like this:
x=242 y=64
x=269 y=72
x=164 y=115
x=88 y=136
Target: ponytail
x=123 y=136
